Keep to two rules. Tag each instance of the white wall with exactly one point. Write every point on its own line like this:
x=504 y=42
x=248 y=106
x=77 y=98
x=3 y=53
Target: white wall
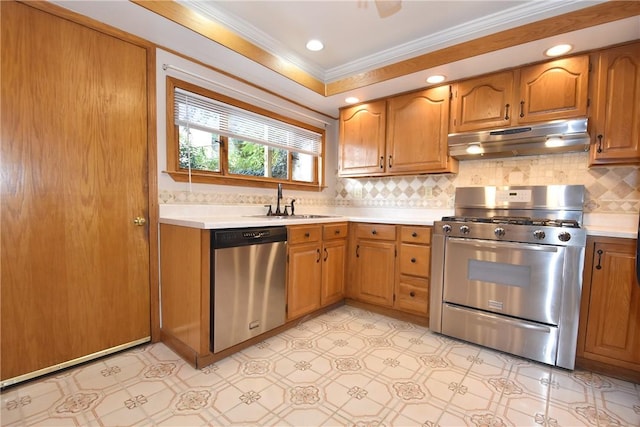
x=206 y=78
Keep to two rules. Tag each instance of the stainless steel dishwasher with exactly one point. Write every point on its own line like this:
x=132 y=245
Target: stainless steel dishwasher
x=248 y=283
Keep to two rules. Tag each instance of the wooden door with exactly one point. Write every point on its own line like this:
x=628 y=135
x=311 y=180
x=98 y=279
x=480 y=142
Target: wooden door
x=375 y=271
x=334 y=263
x=304 y=282
x=616 y=118
x=554 y=90
x=483 y=103
x=362 y=139
x=417 y=129
x=73 y=159
x=613 y=317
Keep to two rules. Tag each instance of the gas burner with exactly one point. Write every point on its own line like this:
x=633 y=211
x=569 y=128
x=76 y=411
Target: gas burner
x=518 y=220
x=515 y=220
x=569 y=223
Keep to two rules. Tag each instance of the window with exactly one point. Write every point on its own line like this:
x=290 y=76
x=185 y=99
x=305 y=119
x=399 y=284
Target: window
x=212 y=138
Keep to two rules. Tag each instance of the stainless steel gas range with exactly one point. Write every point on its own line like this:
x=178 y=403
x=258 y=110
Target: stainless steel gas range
x=507 y=270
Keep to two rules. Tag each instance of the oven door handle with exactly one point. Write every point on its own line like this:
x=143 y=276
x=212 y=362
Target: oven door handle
x=489 y=318
x=492 y=244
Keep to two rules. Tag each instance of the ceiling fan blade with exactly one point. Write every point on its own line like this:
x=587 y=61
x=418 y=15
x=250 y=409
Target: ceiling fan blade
x=387 y=8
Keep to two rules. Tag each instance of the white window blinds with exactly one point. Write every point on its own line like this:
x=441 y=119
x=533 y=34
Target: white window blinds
x=209 y=115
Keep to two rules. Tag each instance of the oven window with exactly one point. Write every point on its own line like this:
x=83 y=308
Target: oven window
x=498 y=272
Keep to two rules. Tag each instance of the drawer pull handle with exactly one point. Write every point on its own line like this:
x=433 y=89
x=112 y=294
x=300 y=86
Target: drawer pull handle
x=337 y=232
x=412 y=294
x=374 y=232
x=318 y=252
x=358 y=251
x=326 y=254
x=413 y=260
x=414 y=234
x=599 y=266
x=307 y=234
x=599 y=150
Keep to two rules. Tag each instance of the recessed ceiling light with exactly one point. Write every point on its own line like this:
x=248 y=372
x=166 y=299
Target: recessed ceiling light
x=351 y=100
x=436 y=78
x=315 y=45
x=558 y=50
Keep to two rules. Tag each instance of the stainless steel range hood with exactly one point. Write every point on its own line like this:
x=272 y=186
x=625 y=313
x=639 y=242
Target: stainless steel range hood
x=558 y=136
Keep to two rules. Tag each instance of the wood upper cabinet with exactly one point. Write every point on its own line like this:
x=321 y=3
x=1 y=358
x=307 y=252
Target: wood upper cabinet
x=482 y=103
x=417 y=128
x=554 y=90
x=615 y=125
x=406 y=134
x=610 y=310
x=548 y=91
x=362 y=139
x=316 y=267
x=374 y=263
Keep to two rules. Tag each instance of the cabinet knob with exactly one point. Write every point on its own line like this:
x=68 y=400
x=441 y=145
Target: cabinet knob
x=307 y=234
x=413 y=260
x=414 y=234
x=139 y=221
x=337 y=232
x=412 y=294
x=374 y=231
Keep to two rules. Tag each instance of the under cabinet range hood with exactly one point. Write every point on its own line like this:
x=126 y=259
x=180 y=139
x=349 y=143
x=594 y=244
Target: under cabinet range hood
x=558 y=136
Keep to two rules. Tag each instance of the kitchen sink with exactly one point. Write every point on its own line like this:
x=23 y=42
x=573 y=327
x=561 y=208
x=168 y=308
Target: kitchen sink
x=296 y=216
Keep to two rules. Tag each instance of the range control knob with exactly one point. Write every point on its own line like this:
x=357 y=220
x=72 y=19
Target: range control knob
x=464 y=229
x=446 y=228
x=539 y=234
x=564 y=236
x=499 y=232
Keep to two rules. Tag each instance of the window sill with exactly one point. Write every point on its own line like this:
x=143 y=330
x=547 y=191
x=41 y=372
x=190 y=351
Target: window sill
x=205 y=178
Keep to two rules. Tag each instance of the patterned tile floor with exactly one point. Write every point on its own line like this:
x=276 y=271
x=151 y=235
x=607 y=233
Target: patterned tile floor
x=348 y=367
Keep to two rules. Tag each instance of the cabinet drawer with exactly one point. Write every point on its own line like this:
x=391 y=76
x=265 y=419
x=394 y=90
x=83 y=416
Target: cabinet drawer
x=415 y=234
x=415 y=259
x=413 y=295
x=376 y=231
x=304 y=234
x=334 y=231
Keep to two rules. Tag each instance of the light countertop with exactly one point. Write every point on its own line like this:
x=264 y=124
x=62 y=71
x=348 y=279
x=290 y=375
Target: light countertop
x=217 y=217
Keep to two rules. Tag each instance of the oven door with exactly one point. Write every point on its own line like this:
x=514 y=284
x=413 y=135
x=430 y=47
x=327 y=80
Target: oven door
x=516 y=279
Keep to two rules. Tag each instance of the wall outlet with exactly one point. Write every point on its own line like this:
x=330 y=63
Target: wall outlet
x=428 y=192
x=357 y=192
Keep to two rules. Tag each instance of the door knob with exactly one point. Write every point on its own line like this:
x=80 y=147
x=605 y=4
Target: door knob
x=139 y=221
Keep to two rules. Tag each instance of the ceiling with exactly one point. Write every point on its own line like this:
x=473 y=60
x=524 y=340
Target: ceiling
x=365 y=55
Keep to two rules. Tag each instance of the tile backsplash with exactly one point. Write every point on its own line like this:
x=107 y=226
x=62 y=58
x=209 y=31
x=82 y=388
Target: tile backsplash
x=609 y=189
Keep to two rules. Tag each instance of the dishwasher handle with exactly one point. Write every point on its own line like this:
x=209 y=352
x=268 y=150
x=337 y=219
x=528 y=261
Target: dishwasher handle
x=235 y=237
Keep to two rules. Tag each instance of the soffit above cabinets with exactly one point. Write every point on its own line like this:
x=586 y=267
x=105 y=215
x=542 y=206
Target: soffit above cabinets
x=259 y=41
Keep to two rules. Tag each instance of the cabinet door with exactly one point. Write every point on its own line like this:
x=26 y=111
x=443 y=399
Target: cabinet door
x=613 y=322
x=362 y=139
x=483 y=103
x=554 y=90
x=375 y=271
x=616 y=119
x=334 y=255
x=303 y=284
x=417 y=128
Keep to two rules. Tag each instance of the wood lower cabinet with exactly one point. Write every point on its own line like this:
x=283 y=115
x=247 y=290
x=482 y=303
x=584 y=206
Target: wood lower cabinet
x=609 y=335
x=548 y=91
x=616 y=117
x=414 y=260
x=316 y=267
x=334 y=263
x=374 y=263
